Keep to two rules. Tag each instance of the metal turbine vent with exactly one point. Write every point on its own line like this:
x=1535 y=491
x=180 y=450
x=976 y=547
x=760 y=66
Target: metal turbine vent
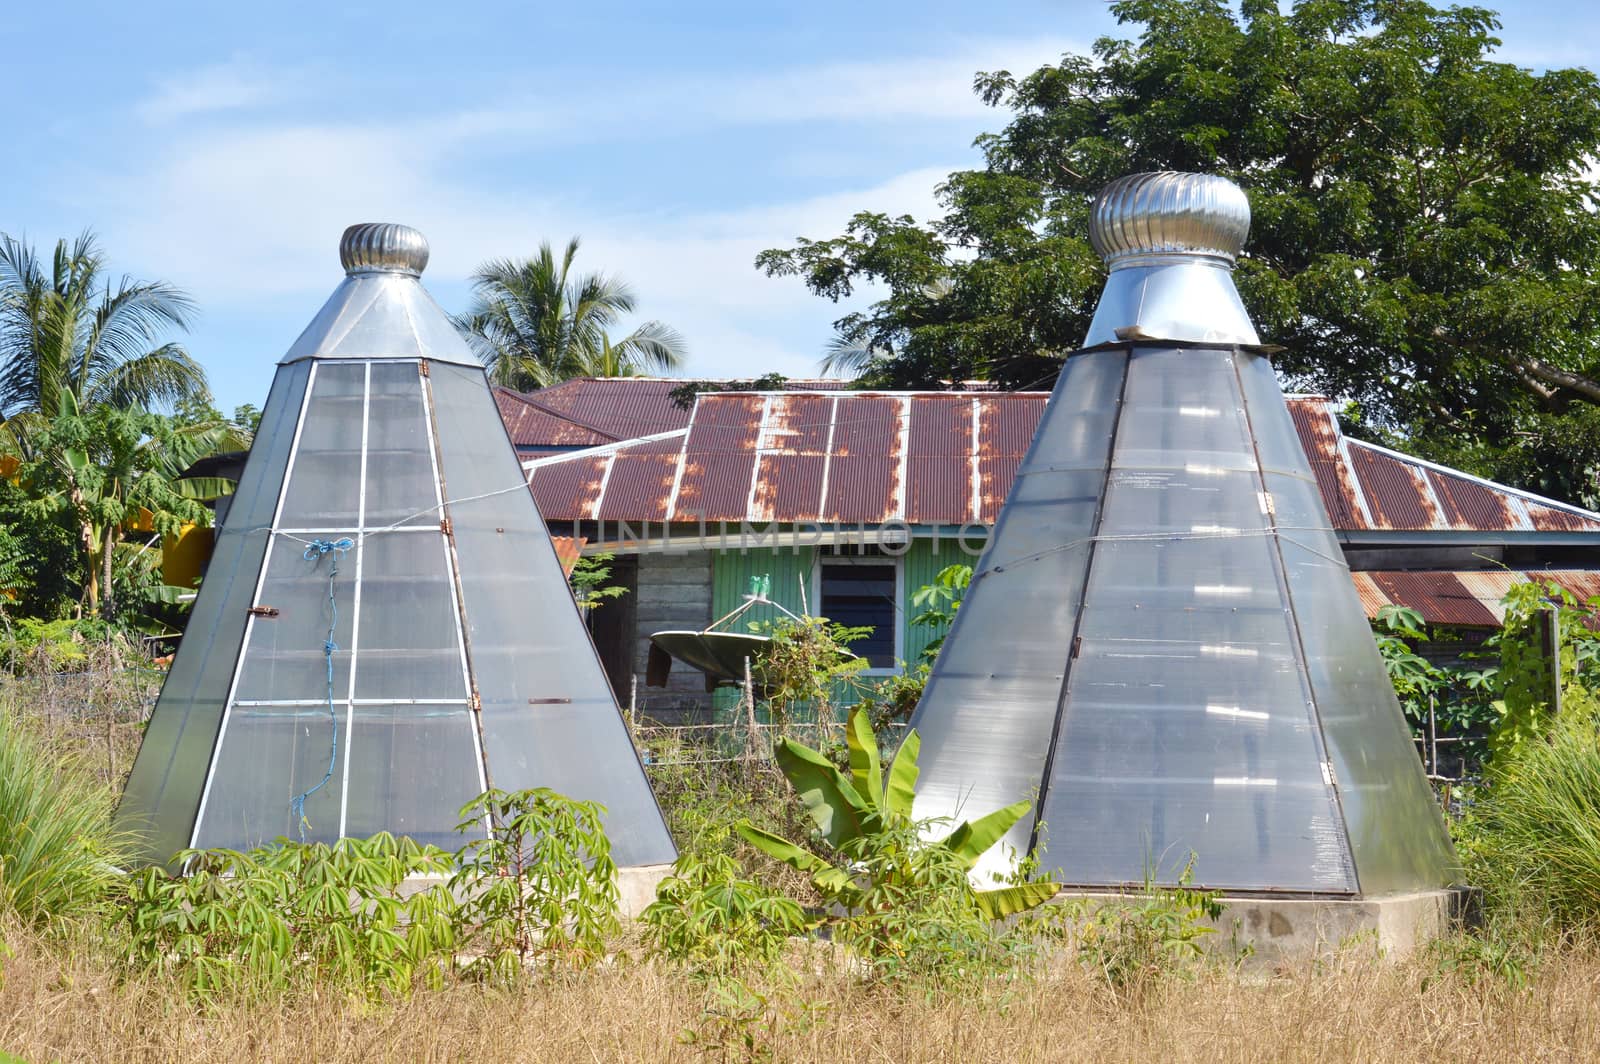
x=1171 y=240
x=383 y=247
x=1168 y=213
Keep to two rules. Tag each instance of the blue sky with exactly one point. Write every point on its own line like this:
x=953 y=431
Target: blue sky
x=225 y=146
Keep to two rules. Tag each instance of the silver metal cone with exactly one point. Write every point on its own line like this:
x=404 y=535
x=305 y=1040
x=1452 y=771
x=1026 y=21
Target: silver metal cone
x=1171 y=240
x=381 y=310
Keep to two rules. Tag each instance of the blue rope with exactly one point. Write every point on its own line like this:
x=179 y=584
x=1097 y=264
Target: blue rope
x=314 y=551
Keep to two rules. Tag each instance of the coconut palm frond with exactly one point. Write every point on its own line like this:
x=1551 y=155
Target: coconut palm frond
x=536 y=322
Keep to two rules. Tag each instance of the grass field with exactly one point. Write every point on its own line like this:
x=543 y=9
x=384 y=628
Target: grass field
x=54 y=1006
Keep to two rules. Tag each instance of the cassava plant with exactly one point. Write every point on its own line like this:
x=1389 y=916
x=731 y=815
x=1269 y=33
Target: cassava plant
x=541 y=887
x=291 y=915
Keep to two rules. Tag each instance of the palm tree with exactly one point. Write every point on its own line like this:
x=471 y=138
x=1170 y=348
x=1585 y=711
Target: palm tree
x=534 y=323
x=66 y=330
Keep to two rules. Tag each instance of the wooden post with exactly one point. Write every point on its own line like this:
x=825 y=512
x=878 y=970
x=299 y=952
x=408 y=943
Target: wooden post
x=748 y=697
x=633 y=701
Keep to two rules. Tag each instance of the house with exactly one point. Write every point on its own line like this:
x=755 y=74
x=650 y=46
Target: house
x=850 y=501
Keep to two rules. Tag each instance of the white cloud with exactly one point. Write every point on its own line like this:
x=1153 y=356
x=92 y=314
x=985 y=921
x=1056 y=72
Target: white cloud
x=245 y=212
x=229 y=86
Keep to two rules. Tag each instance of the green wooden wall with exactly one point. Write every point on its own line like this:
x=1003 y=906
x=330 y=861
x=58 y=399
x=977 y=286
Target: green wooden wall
x=732 y=570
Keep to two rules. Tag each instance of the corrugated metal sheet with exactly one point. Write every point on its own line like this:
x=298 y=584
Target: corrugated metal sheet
x=1464 y=599
x=943 y=458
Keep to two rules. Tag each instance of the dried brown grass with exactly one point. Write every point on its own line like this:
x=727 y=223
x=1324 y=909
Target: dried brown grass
x=55 y=1005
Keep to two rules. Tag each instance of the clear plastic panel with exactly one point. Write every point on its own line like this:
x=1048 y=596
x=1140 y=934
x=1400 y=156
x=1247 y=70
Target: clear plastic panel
x=1183 y=410
x=269 y=755
x=1277 y=442
x=163 y=791
x=410 y=642
x=1187 y=722
x=567 y=747
x=400 y=483
x=550 y=718
x=412 y=768
x=989 y=710
x=283 y=654
x=1397 y=833
x=324 y=489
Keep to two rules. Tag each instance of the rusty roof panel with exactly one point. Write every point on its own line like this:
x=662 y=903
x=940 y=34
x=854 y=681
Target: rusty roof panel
x=1440 y=597
x=719 y=458
x=1319 y=435
x=864 y=475
x=1549 y=519
x=1005 y=432
x=1372 y=596
x=849 y=444
x=530 y=426
x=939 y=461
x=995 y=477
x=794 y=458
x=640 y=481
x=566 y=491
x=1006 y=422
x=1464 y=599
x=1469 y=504
x=1395 y=492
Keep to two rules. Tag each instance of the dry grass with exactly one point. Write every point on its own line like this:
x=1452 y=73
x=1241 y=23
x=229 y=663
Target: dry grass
x=54 y=1007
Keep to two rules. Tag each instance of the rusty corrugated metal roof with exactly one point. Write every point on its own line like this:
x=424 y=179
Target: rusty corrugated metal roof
x=944 y=458
x=1461 y=599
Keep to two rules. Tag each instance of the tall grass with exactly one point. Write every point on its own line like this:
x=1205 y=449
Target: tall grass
x=58 y=851
x=1535 y=839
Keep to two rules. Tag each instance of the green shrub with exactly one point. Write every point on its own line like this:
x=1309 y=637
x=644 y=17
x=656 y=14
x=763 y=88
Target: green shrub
x=541 y=887
x=58 y=851
x=710 y=918
x=292 y=915
x=1533 y=840
x=1132 y=943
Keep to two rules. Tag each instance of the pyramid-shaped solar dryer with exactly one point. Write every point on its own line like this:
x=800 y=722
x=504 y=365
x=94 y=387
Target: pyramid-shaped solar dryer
x=384 y=630
x=1162 y=644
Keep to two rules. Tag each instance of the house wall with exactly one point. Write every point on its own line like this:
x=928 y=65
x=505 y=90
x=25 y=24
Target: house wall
x=673 y=592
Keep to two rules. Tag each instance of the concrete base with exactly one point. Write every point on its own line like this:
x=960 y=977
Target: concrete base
x=636 y=887
x=1267 y=932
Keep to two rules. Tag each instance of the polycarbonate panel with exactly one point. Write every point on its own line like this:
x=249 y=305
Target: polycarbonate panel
x=270 y=755
x=412 y=768
x=1222 y=693
x=1188 y=727
x=283 y=656
x=325 y=479
x=568 y=748
x=164 y=788
x=400 y=481
x=989 y=710
x=1182 y=410
x=1396 y=830
x=550 y=718
x=410 y=641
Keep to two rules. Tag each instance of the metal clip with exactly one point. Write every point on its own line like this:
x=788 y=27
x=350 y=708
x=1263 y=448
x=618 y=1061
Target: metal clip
x=263 y=611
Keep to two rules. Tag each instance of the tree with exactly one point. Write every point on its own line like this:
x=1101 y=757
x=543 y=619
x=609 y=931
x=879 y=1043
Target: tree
x=1424 y=237
x=104 y=470
x=534 y=323
x=66 y=331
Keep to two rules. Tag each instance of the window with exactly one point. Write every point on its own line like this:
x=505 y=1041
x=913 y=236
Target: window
x=864 y=593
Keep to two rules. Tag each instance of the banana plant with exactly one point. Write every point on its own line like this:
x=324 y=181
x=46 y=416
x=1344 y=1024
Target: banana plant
x=848 y=809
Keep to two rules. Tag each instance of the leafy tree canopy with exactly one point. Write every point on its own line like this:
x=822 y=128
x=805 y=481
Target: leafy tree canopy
x=67 y=332
x=535 y=322
x=1424 y=238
